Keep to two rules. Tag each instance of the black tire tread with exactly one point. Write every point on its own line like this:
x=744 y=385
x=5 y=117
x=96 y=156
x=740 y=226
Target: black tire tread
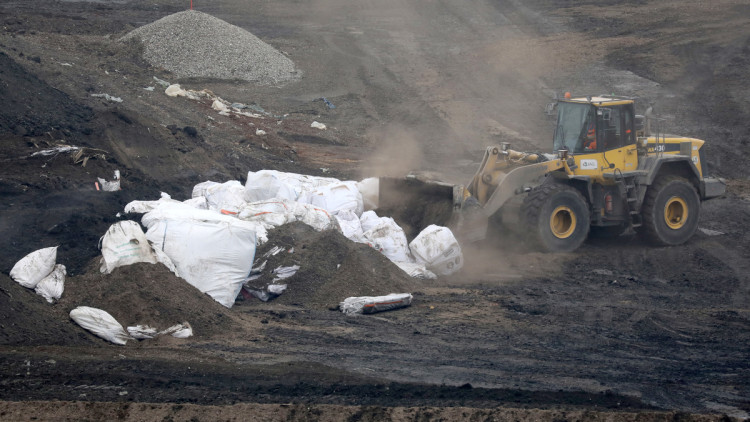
x=648 y=230
x=533 y=204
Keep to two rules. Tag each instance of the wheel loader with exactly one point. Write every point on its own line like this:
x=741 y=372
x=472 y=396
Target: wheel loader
x=608 y=172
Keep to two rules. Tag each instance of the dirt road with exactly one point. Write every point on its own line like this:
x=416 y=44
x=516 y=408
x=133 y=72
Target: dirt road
x=619 y=327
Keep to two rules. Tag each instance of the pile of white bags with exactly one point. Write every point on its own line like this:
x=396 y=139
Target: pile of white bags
x=38 y=271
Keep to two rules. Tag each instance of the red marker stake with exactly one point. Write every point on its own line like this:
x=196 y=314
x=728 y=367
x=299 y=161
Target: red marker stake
x=191 y=4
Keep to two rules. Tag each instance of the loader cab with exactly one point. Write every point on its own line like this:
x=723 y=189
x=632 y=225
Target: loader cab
x=592 y=125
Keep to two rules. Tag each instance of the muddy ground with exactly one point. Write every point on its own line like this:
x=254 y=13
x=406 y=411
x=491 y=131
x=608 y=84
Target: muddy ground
x=619 y=329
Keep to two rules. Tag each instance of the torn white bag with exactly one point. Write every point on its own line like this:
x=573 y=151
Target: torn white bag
x=52 y=286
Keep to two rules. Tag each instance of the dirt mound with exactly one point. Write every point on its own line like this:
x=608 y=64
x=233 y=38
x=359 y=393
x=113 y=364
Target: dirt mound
x=192 y=44
x=27 y=319
x=48 y=109
x=332 y=268
x=147 y=294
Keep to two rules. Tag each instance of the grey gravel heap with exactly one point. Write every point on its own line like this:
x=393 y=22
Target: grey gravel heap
x=192 y=44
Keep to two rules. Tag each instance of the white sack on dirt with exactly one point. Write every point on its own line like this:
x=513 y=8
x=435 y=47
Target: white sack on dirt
x=100 y=323
x=52 y=286
x=213 y=252
x=388 y=238
x=32 y=268
x=438 y=250
x=192 y=44
x=350 y=226
x=124 y=244
x=373 y=304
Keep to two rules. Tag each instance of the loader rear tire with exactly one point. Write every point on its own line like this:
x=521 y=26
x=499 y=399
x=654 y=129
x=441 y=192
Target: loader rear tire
x=557 y=217
x=671 y=211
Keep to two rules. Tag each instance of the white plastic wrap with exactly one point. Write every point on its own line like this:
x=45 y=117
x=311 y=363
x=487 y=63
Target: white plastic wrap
x=370 y=190
x=100 y=323
x=438 y=250
x=343 y=196
x=388 y=238
x=350 y=226
x=213 y=252
x=372 y=304
x=32 y=268
x=52 y=286
x=124 y=244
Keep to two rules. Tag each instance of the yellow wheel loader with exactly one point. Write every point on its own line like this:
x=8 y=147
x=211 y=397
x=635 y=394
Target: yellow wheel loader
x=608 y=173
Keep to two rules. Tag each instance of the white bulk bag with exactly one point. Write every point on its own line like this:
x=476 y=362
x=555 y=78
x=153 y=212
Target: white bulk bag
x=226 y=197
x=338 y=197
x=270 y=213
x=350 y=225
x=388 y=238
x=100 y=323
x=140 y=207
x=52 y=286
x=438 y=250
x=265 y=185
x=32 y=268
x=212 y=252
x=200 y=189
x=370 y=190
x=317 y=218
x=369 y=220
x=124 y=244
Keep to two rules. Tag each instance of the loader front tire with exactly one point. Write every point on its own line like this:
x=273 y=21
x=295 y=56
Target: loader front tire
x=556 y=217
x=671 y=211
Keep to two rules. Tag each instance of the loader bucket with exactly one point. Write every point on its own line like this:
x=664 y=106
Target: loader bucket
x=415 y=203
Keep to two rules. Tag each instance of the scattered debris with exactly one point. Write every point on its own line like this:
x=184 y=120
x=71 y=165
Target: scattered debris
x=318 y=125
x=108 y=97
x=709 y=232
x=112 y=186
x=327 y=103
x=281 y=273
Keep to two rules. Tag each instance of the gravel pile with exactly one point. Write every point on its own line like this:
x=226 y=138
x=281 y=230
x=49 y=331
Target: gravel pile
x=192 y=44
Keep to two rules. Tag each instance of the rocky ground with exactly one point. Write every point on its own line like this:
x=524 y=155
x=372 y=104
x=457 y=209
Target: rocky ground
x=619 y=329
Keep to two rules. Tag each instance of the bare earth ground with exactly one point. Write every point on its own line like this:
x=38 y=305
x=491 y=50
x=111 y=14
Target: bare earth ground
x=619 y=330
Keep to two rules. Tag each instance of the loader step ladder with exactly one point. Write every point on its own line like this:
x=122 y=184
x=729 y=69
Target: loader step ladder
x=630 y=195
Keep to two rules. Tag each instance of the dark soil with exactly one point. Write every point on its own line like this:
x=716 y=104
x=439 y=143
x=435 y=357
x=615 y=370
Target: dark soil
x=332 y=268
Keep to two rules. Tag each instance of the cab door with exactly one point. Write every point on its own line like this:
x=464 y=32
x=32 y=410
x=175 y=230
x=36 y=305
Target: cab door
x=616 y=138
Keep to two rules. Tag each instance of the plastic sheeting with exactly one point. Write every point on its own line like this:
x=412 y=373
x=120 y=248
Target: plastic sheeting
x=32 y=268
x=100 y=323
